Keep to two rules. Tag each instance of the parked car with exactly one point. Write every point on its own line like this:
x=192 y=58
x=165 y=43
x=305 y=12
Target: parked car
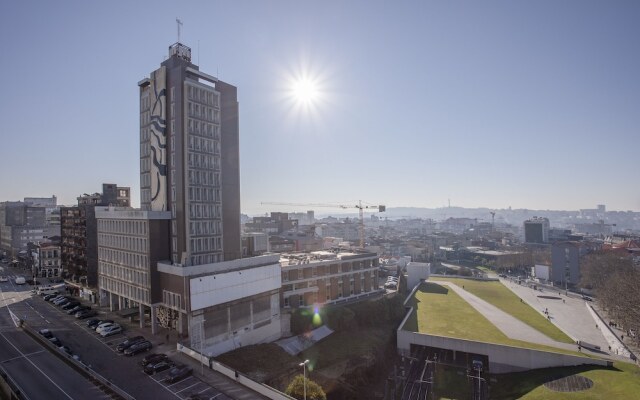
x=178 y=373
x=3 y=279
x=74 y=309
x=62 y=302
x=46 y=333
x=153 y=358
x=55 y=341
x=138 y=348
x=56 y=298
x=70 y=305
x=111 y=330
x=104 y=326
x=49 y=297
x=82 y=314
x=93 y=322
x=65 y=349
x=101 y=322
x=129 y=342
x=159 y=366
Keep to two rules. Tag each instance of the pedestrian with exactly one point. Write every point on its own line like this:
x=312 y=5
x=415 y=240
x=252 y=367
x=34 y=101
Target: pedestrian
x=167 y=338
x=563 y=301
x=579 y=348
x=621 y=337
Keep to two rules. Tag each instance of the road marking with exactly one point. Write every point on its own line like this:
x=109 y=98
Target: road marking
x=36 y=367
x=181 y=380
x=25 y=355
x=188 y=387
x=202 y=391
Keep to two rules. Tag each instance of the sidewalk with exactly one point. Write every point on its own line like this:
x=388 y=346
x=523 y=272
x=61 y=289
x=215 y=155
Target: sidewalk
x=165 y=341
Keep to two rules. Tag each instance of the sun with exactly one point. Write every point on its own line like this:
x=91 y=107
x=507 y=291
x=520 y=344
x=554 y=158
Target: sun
x=305 y=91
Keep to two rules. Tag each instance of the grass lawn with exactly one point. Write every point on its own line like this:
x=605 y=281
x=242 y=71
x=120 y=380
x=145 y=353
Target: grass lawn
x=341 y=346
x=435 y=305
x=620 y=382
x=497 y=294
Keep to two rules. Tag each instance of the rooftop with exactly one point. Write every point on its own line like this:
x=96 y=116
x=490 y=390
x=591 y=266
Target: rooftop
x=316 y=257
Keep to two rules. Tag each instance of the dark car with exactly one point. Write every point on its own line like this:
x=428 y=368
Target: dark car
x=82 y=314
x=93 y=322
x=153 y=358
x=75 y=309
x=49 y=297
x=138 y=348
x=65 y=349
x=55 y=341
x=178 y=373
x=46 y=333
x=128 y=343
x=63 y=302
x=70 y=305
x=159 y=366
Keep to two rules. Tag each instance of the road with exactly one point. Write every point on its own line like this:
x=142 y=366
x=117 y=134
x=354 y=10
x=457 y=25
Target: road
x=39 y=374
x=100 y=355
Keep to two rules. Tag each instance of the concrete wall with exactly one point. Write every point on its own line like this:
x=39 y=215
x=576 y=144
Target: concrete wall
x=502 y=358
x=242 y=379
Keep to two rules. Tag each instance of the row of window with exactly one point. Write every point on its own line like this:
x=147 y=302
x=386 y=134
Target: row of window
x=308 y=272
x=204 y=178
x=126 y=227
x=205 y=228
x=203 y=112
x=205 y=259
x=195 y=127
x=137 y=277
x=204 y=194
x=202 y=95
x=132 y=260
x=206 y=244
x=204 y=145
x=314 y=297
x=204 y=211
x=129 y=291
x=130 y=243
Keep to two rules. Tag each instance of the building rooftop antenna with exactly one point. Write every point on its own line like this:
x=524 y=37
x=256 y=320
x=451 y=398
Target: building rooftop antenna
x=179 y=24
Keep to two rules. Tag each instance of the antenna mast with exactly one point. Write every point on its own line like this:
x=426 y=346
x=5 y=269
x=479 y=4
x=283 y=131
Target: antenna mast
x=179 y=24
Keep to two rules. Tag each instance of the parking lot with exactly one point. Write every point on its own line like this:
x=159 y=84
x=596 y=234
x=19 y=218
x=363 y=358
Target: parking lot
x=189 y=387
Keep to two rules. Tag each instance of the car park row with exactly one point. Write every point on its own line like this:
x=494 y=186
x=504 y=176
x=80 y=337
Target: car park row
x=174 y=376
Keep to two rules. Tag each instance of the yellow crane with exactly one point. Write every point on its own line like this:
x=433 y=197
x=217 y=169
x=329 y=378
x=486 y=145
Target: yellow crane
x=361 y=207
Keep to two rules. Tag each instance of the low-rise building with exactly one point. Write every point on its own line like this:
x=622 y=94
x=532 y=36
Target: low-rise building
x=321 y=277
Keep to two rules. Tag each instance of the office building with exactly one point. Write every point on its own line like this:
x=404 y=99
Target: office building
x=189 y=162
x=22 y=223
x=536 y=230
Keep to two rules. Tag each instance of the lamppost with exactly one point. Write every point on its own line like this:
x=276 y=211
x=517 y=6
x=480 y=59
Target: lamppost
x=304 y=371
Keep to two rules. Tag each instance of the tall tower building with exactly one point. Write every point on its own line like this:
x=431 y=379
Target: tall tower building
x=189 y=159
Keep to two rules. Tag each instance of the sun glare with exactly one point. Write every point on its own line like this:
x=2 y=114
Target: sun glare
x=305 y=91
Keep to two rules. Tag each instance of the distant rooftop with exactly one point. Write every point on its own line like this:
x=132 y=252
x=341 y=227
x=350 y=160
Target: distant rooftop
x=313 y=257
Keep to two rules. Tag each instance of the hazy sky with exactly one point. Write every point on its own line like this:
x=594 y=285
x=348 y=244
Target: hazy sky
x=512 y=103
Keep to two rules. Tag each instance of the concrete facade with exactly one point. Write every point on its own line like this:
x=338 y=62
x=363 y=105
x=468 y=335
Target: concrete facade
x=130 y=244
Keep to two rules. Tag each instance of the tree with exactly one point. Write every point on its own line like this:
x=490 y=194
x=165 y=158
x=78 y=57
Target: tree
x=296 y=389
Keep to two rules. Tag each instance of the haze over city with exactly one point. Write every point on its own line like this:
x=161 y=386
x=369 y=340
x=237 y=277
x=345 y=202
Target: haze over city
x=495 y=104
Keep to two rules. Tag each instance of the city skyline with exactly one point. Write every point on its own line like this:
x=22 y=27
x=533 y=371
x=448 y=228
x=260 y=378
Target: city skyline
x=496 y=105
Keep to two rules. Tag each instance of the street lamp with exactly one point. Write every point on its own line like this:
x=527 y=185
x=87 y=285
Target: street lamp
x=304 y=371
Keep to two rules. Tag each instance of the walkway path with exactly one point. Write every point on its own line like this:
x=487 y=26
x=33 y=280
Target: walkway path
x=508 y=324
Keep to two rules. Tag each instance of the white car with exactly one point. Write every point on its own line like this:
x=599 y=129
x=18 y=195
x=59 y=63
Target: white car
x=4 y=279
x=111 y=330
x=104 y=326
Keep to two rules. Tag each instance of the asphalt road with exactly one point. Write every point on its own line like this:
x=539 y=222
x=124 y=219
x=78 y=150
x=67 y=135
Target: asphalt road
x=96 y=352
x=39 y=374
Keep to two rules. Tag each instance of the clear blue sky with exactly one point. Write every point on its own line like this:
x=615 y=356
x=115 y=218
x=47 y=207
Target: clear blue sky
x=524 y=104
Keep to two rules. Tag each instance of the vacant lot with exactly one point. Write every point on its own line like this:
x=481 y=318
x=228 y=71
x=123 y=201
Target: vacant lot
x=497 y=294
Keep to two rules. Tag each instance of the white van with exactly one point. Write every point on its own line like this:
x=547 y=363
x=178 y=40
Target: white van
x=46 y=291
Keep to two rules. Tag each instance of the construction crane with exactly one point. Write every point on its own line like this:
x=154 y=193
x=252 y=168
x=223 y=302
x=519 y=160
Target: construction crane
x=361 y=207
x=493 y=220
